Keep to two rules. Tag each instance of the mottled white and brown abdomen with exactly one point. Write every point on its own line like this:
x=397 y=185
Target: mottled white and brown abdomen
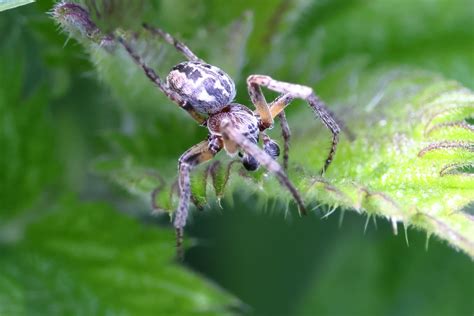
x=206 y=88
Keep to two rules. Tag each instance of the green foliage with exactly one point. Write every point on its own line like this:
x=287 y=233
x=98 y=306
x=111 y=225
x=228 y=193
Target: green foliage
x=396 y=167
x=68 y=256
x=379 y=276
x=59 y=255
x=313 y=266
x=26 y=133
x=403 y=163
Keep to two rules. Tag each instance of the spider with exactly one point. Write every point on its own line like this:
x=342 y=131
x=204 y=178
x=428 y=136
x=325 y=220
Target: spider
x=207 y=93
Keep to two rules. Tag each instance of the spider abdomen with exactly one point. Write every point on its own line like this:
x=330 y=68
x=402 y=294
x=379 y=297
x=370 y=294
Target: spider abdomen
x=206 y=88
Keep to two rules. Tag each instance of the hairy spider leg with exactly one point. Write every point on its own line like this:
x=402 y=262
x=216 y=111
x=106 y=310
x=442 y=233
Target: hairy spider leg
x=202 y=152
x=277 y=108
x=180 y=46
x=269 y=145
x=268 y=112
x=280 y=103
x=286 y=134
x=153 y=76
x=261 y=105
x=229 y=133
x=306 y=93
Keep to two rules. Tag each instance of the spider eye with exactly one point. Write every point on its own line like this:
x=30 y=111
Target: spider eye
x=250 y=163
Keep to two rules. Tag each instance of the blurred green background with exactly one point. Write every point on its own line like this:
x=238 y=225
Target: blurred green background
x=72 y=242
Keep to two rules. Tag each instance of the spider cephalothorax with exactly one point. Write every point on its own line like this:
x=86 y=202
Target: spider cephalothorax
x=206 y=93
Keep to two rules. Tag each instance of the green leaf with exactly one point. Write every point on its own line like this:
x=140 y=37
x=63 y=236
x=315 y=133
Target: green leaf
x=10 y=4
x=88 y=259
x=433 y=35
x=27 y=138
x=394 y=167
x=413 y=133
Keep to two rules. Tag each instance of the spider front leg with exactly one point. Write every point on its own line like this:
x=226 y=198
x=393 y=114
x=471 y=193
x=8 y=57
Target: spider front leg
x=180 y=47
x=277 y=109
x=231 y=135
x=307 y=94
x=194 y=156
x=153 y=76
x=261 y=106
x=268 y=112
x=286 y=134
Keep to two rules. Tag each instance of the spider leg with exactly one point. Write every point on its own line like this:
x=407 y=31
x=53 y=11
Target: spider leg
x=277 y=108
x=261 y=106
x=180 y=47
x=270 y=146
x=194 y=156
x=268 y=112
x=264 y=159
x=286 y=134
x=307 y=94
x=153 y=76
x=280 y=103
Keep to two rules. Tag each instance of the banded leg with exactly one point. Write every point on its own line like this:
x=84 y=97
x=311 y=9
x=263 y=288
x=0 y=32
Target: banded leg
x=277 y=108
x=153 y=76
x=280 y=103
x=286 y=134
x=268 y=112
x=270 y=146
x=261 y=106
x=307 y=94
x=180 y=47
x=194 y=156
x=229 y=133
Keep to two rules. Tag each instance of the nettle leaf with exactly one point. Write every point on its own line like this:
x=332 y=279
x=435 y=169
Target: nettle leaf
x=396 y=167
x=199 y=187
x=10 y=4
x=412 y=156
x=27 y=135
x=88 y=259
x=409 y=161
